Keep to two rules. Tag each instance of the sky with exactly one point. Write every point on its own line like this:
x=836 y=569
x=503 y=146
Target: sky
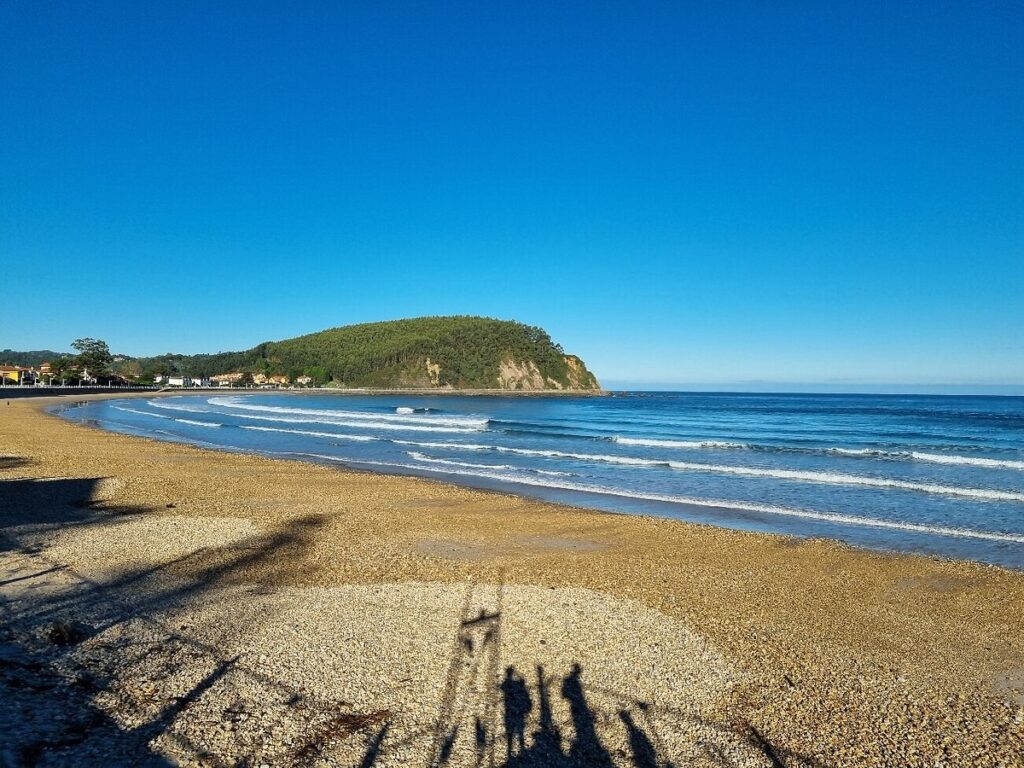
x=743 y=194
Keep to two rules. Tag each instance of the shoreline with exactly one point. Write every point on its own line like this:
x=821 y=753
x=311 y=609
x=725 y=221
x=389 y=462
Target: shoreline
x=686 y=512
x=32 y=392
x=444 y=485
x=907 y=647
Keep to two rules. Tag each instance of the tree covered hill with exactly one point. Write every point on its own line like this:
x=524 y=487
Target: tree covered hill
x=455 y=352
x=28 y=359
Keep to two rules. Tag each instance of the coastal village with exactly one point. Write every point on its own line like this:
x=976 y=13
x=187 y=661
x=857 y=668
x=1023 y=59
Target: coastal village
x=49 y=375
x=236 y=379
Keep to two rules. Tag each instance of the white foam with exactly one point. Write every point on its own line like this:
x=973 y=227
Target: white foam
x=468 y=423
x=404 y=409
x=198 y=423
x=451 y=446
x=873 y=453
x=335 y=435
x=827 y=517
x=171 y=407
x=827 y=478
x=836 y=478
x=171 y=418
x=469 y=465
x=974 y=461
x=652 y=443
x=870 y=452
x=343 y=423
x=931 y=458
x=628 y=460
x=141 y=413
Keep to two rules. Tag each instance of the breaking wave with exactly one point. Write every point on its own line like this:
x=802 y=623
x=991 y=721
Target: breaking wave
x=827 y=517
x=141 y=413
x=312 y=433
x=170 y=418
x=652 y=443
x=171 y=407
x=470 y=465
x=971 y=461
x=827 y=478
x=868 y=453
x=836 y=478
x=344 y=423
x=468 y=423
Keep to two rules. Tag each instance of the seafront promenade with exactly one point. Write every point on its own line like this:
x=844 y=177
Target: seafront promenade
x=17 y=391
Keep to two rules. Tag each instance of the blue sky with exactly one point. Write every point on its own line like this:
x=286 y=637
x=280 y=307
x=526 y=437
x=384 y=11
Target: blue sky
x=745 y=194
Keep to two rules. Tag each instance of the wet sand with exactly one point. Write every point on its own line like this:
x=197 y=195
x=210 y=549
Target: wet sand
x=296 y=613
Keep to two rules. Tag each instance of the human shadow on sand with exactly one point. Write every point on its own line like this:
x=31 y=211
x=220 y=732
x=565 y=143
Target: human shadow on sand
x=566 y=718
x=548 y=745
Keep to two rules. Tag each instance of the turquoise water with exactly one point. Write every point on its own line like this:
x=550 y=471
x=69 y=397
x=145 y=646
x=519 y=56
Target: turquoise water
x=939 y=475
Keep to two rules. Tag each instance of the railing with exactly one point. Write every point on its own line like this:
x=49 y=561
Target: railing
x=78 y=386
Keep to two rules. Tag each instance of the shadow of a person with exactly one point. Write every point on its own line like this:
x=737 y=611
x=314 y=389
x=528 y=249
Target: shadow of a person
x=586 y=748
x=644 y=754
x=517 y=708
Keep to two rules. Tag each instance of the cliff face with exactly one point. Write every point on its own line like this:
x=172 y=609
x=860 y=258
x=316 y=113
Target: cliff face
x=526 y=376
x=579 y=376
x=523 y=375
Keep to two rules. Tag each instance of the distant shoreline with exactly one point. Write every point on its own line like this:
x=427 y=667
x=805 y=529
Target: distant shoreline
x=455 y=392
x=14 y=391
x=20 y=392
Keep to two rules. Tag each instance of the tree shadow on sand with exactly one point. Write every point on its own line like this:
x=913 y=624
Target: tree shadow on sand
x=520 y=717
x=29 y=506
x=13 y=462
x=48 y=610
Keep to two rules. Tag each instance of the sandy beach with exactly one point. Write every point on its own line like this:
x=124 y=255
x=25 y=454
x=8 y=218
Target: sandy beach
x=164 y=605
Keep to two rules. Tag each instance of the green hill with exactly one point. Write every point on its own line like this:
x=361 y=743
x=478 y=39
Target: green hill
x=451 y=352
x=35 y=357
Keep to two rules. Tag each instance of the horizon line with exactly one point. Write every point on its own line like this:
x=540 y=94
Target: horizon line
x=812 y=387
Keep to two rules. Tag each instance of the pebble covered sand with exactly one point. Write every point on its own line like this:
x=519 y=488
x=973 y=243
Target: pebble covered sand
x=167 y=605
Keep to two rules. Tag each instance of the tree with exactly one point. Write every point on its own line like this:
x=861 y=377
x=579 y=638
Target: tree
x=93 y=357
x=59 y=368
x=131 y=369
x=245 y=381
x=319 y=375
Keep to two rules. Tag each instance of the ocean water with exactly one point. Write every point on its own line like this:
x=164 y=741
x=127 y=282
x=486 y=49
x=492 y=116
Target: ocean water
x=930 y=474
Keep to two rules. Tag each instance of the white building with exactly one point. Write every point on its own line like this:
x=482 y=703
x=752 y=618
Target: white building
x=179 y=381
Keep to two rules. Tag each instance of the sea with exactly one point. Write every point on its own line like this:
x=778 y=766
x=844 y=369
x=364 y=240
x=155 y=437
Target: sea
x=938 y=475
